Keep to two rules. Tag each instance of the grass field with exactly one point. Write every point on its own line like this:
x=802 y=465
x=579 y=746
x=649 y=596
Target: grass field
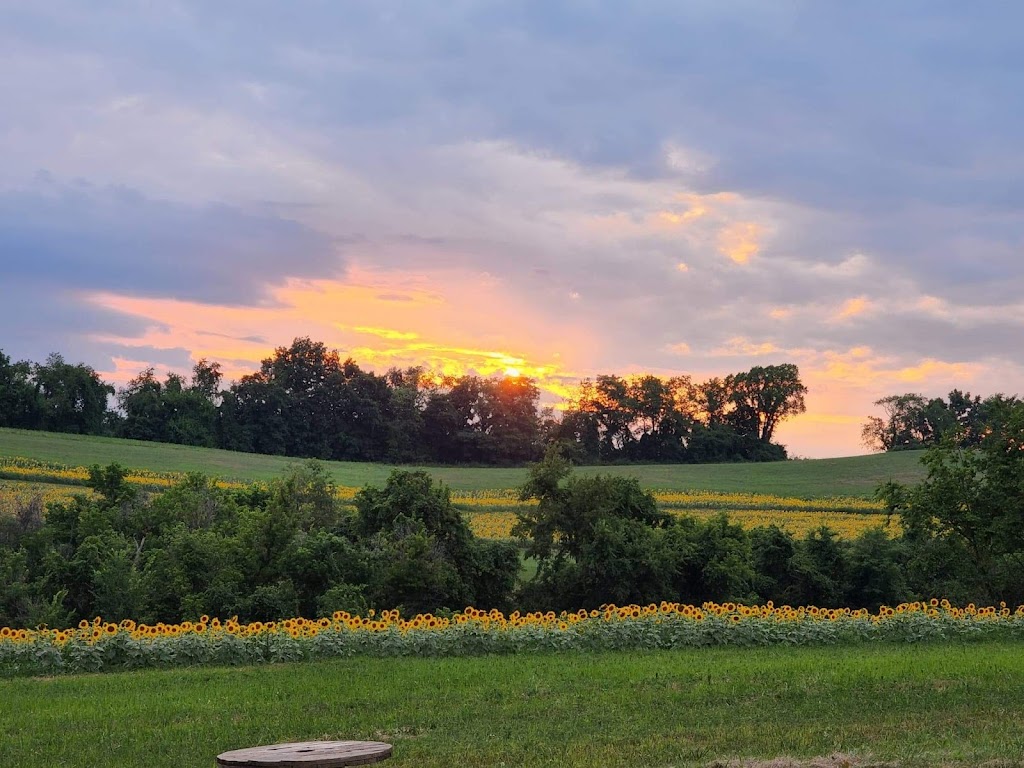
x=919 y=705
x=810 y=478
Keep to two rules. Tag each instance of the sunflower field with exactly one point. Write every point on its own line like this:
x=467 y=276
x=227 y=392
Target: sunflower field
x=492 y=513
x=97 y=645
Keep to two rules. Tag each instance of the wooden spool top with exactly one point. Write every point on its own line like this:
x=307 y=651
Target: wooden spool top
x=307 y=754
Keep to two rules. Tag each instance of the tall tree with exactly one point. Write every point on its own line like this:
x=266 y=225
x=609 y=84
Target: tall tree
x=902 y=427
x=661 y=417
x=172 y=411
x=361 y=412
x=206 y=380
x=510 y=419
x=410 y=393
x=305 y=373
x=253 y=416
x=141 y=402
x=73 y=397
x=764 y=396
x=967 y=411
x=19 y=402
x=711 y=399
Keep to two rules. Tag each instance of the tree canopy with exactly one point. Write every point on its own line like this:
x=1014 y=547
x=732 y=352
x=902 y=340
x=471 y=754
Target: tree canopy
x=911 y=421
x=306 y=400
x=971 y=504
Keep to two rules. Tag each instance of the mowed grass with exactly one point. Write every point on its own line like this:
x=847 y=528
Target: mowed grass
x=925 y=705
x=807 y=478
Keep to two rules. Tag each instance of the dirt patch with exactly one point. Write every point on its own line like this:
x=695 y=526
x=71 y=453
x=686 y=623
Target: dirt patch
x=830 y=761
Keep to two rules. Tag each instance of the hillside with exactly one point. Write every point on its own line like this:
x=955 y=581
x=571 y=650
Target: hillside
x=809 y=478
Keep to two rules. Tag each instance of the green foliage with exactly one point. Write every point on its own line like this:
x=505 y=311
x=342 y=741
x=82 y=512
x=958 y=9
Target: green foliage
x=55 y=395
x=423 y=554
x=710 y=560
x=284 y=549
x=764 y=396
x=593 y=537
x=912 y=421
x=110 y=484
x=601 y=539
x=73 y=397
x=876 y=572
x=410 y=498
x=973 y=499
x=20 y=403
x=172 y=411
x=650 y=419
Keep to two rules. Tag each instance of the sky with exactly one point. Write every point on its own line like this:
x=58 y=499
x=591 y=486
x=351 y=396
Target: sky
x=553 y=189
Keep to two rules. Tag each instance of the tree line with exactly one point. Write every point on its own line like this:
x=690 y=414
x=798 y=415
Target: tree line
x=911 y=421
x=291 y=547
x=306 y=401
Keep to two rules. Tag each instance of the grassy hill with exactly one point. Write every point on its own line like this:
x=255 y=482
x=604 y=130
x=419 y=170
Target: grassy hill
x=808 y=478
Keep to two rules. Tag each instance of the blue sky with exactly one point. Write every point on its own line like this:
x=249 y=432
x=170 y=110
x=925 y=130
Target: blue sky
x=560 y=189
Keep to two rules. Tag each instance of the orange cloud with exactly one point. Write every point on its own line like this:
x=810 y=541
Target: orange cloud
x=861 y=367
x=675 y=219
x=384 y=333
x=685 y=209
x=929 y=370
x=449 y=321
x=740 y=241
x=852 y=308
x=739 y=346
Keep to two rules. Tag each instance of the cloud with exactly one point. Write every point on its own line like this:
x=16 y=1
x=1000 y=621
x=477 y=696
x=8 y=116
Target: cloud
x=740 y=241
x=852 y=308
x=741 y=347
x=764 y=191
x=84 y=237
x=384 y=333
x=325 y=309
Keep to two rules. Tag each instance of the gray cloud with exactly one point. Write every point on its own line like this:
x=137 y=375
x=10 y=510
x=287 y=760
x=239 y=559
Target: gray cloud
x=111 y=239
x=205 y=151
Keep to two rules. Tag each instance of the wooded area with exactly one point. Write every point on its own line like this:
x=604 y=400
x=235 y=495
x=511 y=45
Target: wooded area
x=911 y=421
x=306 y=401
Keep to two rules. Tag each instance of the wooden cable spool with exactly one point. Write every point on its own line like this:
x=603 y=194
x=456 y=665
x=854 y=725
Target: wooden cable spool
x=307 y=754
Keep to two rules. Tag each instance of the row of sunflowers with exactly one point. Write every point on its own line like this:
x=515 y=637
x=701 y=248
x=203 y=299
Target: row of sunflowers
x=99 y=645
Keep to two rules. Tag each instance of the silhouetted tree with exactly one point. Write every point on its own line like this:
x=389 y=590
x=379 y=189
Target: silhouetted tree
x=73 y=398
x=20 y=405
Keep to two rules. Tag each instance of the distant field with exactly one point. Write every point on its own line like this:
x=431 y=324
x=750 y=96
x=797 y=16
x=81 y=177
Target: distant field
x=907 y=705
x=808 y=478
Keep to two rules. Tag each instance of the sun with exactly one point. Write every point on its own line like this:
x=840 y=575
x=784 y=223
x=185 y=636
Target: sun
x=513 y=372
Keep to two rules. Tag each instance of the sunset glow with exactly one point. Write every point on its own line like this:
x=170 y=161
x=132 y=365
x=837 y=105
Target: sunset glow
x=456 y=316
x=354 y=176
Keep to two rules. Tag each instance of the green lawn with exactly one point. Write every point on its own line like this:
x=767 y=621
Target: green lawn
x=926 y=705
x=810 y=478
